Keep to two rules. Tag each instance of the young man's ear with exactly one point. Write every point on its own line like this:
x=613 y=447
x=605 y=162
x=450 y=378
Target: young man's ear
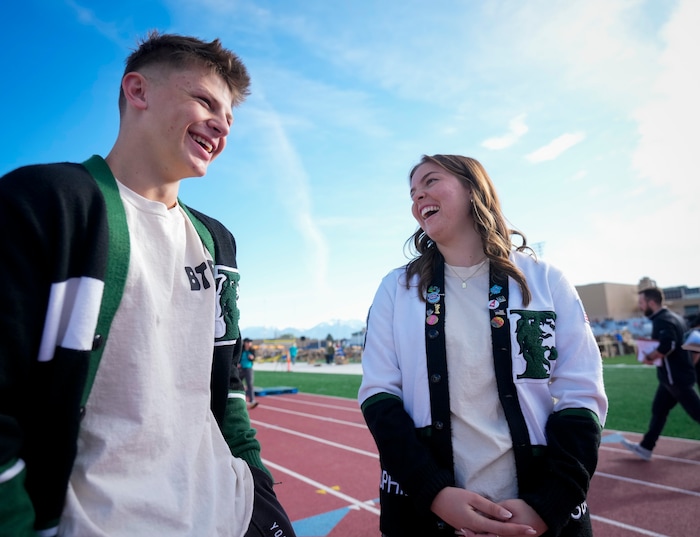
x=134 y=86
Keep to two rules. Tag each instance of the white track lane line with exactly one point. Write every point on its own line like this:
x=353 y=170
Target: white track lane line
x=315 y=439
x=627 y=526
x=316 y=417
x=364 y=505
x=367 y=506
x=323 y=396
x=655 y=456
x=322 y=405
x=648 y=484
x=662 y=437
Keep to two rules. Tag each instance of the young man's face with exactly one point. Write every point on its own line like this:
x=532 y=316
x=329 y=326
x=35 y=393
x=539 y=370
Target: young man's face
x=189 y=116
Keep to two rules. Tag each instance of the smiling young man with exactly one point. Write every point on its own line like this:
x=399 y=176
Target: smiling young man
x=120 y=411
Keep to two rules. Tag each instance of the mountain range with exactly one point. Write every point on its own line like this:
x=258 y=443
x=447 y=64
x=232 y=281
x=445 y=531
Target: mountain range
x=339 y=329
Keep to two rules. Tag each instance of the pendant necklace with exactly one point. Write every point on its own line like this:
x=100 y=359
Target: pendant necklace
x=465 y=280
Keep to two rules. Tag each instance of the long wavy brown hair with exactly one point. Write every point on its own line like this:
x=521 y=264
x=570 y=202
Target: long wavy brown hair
x=489 y=223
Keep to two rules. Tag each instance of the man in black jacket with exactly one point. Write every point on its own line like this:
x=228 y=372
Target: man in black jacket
x=674 y=371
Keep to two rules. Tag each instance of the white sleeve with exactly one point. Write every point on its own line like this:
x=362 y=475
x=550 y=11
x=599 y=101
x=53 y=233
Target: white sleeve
x=380 y=364
x=577 y=379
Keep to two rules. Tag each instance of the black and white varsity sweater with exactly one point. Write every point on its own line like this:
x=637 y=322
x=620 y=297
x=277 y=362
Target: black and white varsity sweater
x=65 y=247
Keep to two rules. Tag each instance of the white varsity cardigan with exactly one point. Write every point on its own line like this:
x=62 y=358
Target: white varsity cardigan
x=395 y=368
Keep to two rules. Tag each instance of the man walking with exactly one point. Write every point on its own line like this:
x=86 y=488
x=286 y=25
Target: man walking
x=674 y=371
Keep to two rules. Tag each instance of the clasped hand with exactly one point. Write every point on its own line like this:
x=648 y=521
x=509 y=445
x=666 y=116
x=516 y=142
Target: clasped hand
x=475 y=516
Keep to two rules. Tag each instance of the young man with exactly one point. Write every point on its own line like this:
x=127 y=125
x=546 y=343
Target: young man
x=120 y=325
x=675 y=371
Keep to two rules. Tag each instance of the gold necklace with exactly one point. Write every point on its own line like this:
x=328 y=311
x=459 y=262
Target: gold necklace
x=463 y=280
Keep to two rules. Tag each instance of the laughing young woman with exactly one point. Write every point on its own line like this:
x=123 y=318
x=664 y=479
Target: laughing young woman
x=482 y=380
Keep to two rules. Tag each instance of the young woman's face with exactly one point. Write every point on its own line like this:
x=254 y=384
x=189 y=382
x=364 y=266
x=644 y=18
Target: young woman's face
x=441 y=203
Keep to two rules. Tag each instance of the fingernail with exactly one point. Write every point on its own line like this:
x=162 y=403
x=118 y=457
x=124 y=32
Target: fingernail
x=530 y=531
x=506 y=514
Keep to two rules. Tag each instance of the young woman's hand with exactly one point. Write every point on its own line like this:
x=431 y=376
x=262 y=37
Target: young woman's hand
x=473 y=515
x=524 y=514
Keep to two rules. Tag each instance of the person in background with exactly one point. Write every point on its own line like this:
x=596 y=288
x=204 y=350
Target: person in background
x=482 y=381
x=691 y=345
x=247 y=373
x=293 y=350
x=330 y=353
x=121 y=412
x=674 y=371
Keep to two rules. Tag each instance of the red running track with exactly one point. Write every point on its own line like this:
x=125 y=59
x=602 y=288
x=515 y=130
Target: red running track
x=326 y=465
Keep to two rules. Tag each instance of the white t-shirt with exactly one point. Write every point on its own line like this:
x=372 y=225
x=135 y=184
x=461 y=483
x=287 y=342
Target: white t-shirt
x=151 y=458
x=481 y=441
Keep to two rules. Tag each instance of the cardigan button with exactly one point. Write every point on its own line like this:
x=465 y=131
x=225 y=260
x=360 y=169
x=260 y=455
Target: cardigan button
x=97 y=342
x=435 y=378
x=433 y=333
x=439 y=425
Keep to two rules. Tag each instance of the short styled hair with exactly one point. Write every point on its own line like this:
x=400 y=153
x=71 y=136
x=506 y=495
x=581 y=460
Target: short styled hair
x=653 y=293
x=179 y=51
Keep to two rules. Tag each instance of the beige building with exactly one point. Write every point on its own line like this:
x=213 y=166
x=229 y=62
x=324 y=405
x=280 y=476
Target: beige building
x=602 y=301
x=618 y=301
x=683 y=300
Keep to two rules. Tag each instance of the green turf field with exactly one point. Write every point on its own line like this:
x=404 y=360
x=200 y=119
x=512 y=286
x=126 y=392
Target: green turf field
x=630 y=388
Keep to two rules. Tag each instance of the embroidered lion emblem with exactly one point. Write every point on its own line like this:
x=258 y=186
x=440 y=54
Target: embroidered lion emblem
x=227 y=315
x=532 y=330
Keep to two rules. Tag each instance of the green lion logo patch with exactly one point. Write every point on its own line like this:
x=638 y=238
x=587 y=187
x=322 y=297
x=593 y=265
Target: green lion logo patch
x=227 y=314
x=532 y=330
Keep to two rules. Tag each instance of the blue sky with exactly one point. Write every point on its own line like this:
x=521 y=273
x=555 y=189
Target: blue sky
x=585 y=114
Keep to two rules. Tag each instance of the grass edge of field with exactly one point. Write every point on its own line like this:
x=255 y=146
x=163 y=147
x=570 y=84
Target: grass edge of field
x=630 y=387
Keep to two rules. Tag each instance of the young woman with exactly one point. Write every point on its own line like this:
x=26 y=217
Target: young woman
x=482 y=380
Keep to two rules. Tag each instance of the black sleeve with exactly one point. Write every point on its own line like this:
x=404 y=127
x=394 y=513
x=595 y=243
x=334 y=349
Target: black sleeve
x=45 y=210
x=50 y=216
x=235 y=382
x=573 y=438
x=402 y=454
x=666 y=335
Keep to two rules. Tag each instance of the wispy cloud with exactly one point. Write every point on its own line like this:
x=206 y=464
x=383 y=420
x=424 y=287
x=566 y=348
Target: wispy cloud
x=578 y=176
x=516 y=129
x=310 y=103
x=556 y=147
x=668 y=121
x=602 y=46
x=292 y=189
x=109 y=30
